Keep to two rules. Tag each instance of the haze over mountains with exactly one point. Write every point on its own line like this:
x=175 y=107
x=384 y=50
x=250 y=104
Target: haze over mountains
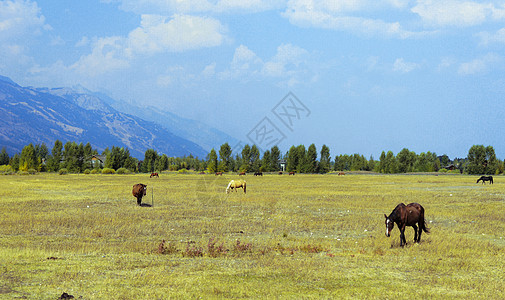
x=43 y=115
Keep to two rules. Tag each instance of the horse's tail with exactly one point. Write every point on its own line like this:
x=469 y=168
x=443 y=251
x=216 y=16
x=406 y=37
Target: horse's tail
x=423 y=222
x=244 y=185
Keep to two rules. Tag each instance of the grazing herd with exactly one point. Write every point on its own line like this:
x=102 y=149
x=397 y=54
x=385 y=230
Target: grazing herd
x=403 y=215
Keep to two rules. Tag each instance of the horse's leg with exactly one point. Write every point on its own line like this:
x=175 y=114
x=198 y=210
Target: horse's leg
x=403 y=241
x=139 y=200
x=420 y=231
x=415 y=232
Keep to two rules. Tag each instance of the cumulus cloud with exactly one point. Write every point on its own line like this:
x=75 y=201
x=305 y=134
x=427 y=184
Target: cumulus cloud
x=156 y=34
x=19 y=19
x=182 y=32
x=491 y=38
x=479 y=65
x=343 y=16
x=400 y=65
x=456 y=13
x=289 y=66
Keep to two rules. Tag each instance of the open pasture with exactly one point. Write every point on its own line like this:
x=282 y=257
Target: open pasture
x=303 y=236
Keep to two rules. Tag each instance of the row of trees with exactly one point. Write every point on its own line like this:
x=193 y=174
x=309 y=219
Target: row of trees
x=77 y=158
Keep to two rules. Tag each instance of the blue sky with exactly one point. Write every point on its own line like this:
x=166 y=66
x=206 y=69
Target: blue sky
x=371 y=75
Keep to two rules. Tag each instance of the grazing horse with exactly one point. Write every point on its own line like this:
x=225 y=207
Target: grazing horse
x=139 y=190
x=292 y=173
x=407 y=215
x=341 y=173
x=485 y=178
x=201 y=173
x=241 y=173
x=280 y=172
x=258 y=174
x=235 y=184
x=154 y=175
x=219 y=173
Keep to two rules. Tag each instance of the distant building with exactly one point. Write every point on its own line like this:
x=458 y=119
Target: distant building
x=98 y=161
x=282 y=164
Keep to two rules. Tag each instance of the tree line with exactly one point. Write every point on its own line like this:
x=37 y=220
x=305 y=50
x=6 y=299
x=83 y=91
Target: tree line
x=79 y=158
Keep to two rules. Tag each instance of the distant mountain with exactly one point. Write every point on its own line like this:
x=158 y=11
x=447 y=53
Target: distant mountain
x=41 y=115
x=195 y=131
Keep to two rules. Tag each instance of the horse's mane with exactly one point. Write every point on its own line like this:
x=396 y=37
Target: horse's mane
x=395 y=214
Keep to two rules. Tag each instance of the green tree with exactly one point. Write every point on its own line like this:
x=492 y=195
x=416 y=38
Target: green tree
x=275 y=156
x=149 y=163
x=292 y=159
x=476 y=159
x=212 y=161
x=246 y=158
x=28 y=158
x=311 y=160
x=56 y=157
x=325 y=160
x=4 y=157
x=255 y=162
x=302 y=163
x=225 y=157
x=406 y=160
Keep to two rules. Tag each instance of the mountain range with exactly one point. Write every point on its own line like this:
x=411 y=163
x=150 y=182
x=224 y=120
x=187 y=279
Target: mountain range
x=44 y=115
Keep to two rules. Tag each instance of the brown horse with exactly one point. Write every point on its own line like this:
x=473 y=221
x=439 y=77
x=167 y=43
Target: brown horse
x=154 y=175
x=235 y=184
x=241 y=173
x=280 y=172
x=258 y=174
x=219 y=173
x=292 y=173
x=139 y=190
x=341 y=173
x=407 y=215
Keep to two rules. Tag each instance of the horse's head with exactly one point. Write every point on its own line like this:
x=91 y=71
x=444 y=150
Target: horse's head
x=144 y=189
x=389 y=225
x=229 y=186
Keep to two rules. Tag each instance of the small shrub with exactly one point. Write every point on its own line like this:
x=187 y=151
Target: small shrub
x=192 y=251
x=123 y=171
x=63 y=171
x=166 y=249
x=182 y=171
x=243 y=247
x=6 y=169
x=215 y=251
x=443 y=170
x=95 y=171
x=87 y=171
x=108 y=171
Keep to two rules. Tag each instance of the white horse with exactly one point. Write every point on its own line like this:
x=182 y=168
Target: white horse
x=235 y=184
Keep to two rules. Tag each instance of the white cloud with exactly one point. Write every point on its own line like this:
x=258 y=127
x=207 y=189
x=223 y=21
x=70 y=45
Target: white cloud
x=180 y=33
x=400 y=65
x=479 y=65
x=199 y=6
x=344 y=16
x=456 y=13
x=289 y=66
x=490 y=38
x=19 y=19
x=156 y=34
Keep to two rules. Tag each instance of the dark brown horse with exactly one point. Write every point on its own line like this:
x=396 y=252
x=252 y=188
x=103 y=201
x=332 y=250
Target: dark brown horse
x=258 y=173
x=219 y=173
x=241 y=173
x=292 y=173
x=154 y=175
x=485 y=178
x=407 y=215
x=139 y=190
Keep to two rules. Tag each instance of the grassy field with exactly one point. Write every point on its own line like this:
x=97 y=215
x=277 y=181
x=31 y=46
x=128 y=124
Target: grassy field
x=303 y=236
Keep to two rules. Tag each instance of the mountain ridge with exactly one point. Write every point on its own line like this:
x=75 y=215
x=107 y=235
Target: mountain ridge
x=44 y=115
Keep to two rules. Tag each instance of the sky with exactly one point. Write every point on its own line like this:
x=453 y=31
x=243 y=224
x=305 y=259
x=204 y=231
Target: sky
x=360 y=76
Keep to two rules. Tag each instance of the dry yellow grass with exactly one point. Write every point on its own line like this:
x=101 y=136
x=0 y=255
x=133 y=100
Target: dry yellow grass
x=311 y=236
